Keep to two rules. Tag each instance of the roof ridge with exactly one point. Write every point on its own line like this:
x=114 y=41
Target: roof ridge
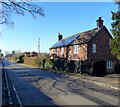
x=89 y=30
x=78 y=33
x=69 y=39
x=69 y=36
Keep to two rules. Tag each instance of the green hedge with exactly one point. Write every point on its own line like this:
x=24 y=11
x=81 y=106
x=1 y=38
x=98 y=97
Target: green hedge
x=30 y=61
x=41 y=61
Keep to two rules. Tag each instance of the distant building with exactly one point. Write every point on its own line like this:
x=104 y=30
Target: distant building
x=91 y=45
x=30 y=54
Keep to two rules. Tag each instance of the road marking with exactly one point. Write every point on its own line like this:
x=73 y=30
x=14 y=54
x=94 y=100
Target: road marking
x=14 y=89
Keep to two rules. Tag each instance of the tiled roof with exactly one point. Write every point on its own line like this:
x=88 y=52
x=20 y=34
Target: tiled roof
x=79 y=38
x=86 y=36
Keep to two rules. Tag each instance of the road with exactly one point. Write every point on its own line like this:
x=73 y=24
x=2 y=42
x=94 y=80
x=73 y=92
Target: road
x=40 y=87
x=0 y=83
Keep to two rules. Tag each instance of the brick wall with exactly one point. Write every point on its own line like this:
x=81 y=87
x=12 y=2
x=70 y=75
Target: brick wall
x=57 y=51
x=81 y=55
x=103 y=50
x=69 y=52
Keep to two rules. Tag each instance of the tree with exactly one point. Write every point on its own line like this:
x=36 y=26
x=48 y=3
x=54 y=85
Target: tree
x=1 y=55
x=13 y=53
x=9 y=7
x=115 y=42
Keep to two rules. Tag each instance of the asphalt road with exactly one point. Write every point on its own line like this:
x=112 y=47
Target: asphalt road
x=40 y=87
x=0 y=83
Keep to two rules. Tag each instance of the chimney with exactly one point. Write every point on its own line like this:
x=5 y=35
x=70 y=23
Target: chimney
x=59 y=36
x=99 y=23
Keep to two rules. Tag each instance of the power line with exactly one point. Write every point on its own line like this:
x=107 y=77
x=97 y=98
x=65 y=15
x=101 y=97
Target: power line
x=42 y=28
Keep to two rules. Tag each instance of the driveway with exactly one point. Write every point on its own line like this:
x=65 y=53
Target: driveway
x=40 y=87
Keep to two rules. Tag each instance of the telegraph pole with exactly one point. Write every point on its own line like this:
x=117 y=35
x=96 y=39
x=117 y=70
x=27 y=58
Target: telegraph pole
x=38 y=45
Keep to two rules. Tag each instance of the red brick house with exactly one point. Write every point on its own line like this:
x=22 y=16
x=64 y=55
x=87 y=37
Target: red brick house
x=89 y=45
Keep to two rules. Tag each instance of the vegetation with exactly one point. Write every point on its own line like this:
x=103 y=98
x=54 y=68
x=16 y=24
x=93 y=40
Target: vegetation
x=1 y=55
x=17 y=57
x=41 y=59
x=115 y=42
x=49 y=64
x=30 y=61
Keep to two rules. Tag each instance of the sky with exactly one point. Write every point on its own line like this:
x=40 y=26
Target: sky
x=68 y=18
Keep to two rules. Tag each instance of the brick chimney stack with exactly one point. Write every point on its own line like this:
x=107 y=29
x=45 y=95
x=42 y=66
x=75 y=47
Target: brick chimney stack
x=59 y=36
x=99 y=23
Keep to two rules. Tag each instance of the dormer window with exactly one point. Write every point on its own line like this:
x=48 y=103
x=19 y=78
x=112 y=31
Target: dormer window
x=94 y=48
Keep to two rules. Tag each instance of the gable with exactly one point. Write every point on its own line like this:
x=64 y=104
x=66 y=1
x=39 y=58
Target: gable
x=102 y=30
x=88 y=36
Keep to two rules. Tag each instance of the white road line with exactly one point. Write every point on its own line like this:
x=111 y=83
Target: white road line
x=14 y=89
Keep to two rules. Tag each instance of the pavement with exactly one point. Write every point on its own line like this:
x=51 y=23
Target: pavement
x=109 y=81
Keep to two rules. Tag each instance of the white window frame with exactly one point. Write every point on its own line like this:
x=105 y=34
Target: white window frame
x=53 y=51
x=94 y=48
x=75 y=49
x=62 y=51
x=109 y=64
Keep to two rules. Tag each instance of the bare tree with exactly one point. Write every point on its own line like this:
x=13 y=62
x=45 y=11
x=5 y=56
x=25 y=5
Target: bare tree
x=9 y=7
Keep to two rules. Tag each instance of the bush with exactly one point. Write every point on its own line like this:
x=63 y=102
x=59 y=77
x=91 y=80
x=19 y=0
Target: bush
x=30 y=61
x=57 y=63
x=38 y=62
x=14 y=58
x=20 y=59
x=49 y=64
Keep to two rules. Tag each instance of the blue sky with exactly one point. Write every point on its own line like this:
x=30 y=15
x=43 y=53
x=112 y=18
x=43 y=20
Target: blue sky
x=68 y=18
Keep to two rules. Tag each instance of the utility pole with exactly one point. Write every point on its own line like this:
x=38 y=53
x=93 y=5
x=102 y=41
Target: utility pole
x=38 y=45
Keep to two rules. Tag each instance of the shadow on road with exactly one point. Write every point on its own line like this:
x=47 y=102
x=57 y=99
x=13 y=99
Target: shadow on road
x=56 y=84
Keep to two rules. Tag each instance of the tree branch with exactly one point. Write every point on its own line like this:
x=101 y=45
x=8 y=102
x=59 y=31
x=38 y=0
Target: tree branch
x=10 y=7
